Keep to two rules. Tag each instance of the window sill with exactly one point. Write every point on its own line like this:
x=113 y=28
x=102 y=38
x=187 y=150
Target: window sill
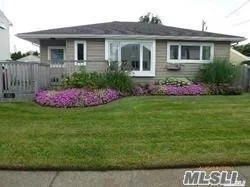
x=188 y=62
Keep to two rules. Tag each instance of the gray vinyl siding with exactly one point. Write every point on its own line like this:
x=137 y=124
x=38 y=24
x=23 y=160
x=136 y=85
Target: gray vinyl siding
x=70 y=51
x=96 y=57
x=222 y=50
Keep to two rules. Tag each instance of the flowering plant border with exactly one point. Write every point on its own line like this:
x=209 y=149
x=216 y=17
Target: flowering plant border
x=86 y=97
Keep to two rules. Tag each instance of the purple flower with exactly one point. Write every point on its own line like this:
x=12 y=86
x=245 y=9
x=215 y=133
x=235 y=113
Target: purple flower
x=75 y=97
x=193 y=89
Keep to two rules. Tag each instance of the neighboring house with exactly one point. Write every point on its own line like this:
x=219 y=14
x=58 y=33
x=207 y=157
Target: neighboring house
x=4 y=37
x=29 y=58
x=154 y=51
x=236 y=57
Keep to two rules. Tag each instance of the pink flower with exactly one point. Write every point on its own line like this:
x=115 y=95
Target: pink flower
x=75 y=97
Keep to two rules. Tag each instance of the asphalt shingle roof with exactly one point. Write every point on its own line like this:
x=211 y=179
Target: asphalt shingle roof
x=130 y=28
x=4 y=20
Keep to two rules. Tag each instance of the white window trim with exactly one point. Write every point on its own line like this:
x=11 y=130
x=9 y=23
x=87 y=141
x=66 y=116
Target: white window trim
x=49 y=54
x=179 y=44
x=139 y=73
x=84 y=50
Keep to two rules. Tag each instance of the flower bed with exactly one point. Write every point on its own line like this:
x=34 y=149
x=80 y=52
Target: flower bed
x=174 y=90
x=86 y=97
x=76 y=97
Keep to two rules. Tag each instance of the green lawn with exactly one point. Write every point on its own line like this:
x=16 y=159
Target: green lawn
x=134 y=132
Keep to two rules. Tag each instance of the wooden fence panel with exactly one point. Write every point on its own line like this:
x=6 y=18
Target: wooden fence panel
x=22 y=77
x=244 y=79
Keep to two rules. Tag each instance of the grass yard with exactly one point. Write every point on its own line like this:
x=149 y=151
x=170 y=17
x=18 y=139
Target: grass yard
x=134 y=132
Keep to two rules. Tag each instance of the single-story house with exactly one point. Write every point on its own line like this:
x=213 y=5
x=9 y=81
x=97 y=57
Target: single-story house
x=4 y=37
x=236 y=57
x=154 y=51
x=30 y=58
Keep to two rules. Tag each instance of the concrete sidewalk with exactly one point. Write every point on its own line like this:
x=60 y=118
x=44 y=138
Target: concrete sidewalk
x=133 y=178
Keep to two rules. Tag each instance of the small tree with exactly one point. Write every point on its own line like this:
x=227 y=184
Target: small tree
x=150 y=18
x=19 y=54
x=244 y=49
x=36 y=53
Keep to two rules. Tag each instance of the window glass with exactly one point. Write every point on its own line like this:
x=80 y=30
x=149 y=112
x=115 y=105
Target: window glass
x=174 y=52
x=190 y=52
x=206 y=53
x=146 y=59
x=80 y=51
x=130 y=53
x=113 y=52
x=57 y=56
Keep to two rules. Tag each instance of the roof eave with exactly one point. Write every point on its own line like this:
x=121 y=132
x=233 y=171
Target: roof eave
x=7 y=21
x=31 y=37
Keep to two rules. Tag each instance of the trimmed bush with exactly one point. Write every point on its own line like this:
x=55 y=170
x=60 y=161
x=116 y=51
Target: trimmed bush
x=157 y=89
x=175 y=81
x=220 y=71
x=225 y=89
x=83 y=79
x=139 y=90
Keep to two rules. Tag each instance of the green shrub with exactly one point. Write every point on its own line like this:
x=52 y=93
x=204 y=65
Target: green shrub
x=220 y=71
x=175 y=81
x=118 y=80
x=83 y=79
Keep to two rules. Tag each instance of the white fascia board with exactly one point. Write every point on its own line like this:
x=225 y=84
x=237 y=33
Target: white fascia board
x=187 y=38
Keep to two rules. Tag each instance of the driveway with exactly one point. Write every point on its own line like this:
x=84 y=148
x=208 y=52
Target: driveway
x=132 y=178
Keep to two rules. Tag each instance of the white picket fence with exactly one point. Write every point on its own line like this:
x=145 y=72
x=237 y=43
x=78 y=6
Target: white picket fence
x=23 y=77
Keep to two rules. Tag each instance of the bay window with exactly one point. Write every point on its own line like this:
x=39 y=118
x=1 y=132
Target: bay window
x=113 y=52
x=185 y=52
x=138 y=54
x=131 y=53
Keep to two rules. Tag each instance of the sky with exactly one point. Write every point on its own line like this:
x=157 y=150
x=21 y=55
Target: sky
x=32 y=15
